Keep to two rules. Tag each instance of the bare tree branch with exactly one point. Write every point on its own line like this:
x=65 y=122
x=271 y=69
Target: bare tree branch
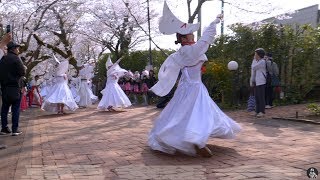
x=144 y=30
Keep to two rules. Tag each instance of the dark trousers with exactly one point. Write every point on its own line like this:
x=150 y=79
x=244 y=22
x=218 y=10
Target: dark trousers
x=259 y=94
x=269 y=95
x=163 y=101
x=15 y=110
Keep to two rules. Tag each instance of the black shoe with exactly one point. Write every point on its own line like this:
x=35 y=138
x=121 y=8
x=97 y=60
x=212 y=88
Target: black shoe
x=16 y=133
x=5 y=130
x=2 y=146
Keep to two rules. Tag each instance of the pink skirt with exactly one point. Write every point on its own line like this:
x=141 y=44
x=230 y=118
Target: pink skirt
x=136 y=88
x=144 y=88
x=127 y=87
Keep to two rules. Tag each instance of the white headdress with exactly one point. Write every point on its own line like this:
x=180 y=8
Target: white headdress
x=170 y=24
x=62 y=68
x=145 y=73
x=109 y=62
x=129 y=74
x=79 y=63
x=115 y=69
x=55 y=59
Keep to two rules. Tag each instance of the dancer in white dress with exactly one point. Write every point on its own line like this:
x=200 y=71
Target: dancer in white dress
x=113 y=95
x=44 y=88
x=94 y=98
x=60 y=95
x=74 y=85
x=191 y=117
x=84 y=92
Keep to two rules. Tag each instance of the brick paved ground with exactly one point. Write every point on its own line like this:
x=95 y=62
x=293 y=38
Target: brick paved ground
x=89 y=144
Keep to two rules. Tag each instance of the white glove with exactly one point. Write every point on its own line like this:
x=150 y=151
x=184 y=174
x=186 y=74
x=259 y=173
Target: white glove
x=220 y=16
x=218 y=19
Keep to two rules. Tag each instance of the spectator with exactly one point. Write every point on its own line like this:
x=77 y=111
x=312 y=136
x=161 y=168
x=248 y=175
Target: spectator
x=258 y=80
x=34 y=93
x=23 y=104
x=11 y=71
x=150 y=81
x=3 y=48
x=273 y=73
x=144 y=87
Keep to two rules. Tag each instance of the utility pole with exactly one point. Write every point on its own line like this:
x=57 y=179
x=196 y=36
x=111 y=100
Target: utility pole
x=150 y=53
x=222 y=12
x=199 y=21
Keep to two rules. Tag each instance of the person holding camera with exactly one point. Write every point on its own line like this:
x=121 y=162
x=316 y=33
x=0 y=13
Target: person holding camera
x=3 y=48
x=11 y=71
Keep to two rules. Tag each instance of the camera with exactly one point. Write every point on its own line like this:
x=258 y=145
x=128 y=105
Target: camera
x=8 y=29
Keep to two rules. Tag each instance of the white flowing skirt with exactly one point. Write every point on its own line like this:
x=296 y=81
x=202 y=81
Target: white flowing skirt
x=59 y=93
x=189 y=119
x=75 y=94
x=113 y=96
x=86 y=95
x=44 y=91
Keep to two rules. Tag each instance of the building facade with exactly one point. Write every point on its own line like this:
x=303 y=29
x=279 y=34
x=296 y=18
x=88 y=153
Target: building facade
x=307 y=15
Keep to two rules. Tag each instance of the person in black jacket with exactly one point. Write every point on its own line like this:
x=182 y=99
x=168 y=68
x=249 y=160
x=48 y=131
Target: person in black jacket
x=11 y=72
x=150 y=81
x=3 y=48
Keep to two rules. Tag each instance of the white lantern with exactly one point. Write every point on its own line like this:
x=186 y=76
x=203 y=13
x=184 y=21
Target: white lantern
x=233 y=65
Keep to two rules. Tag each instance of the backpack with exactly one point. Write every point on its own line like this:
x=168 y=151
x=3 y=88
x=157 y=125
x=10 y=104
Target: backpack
x=268 y=76
x=272 y=78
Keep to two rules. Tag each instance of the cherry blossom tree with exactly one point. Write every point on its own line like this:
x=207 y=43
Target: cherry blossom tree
x=44 y=27
x=116 y=25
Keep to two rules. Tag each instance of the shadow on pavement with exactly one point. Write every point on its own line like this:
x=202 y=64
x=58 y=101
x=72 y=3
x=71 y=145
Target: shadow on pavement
x=50 y=116
x=263 y=126
x=220 y=153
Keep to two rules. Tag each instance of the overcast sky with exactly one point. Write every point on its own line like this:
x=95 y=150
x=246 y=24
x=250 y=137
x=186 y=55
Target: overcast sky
x=232 y=14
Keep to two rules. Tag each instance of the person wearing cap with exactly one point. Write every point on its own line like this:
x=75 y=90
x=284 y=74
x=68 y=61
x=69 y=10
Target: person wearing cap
x=11 y=72
x=258 y=81
x=191 y=116
x=3 y=49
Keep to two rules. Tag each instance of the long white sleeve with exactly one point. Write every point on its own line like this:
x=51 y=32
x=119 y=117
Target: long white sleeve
x=188 y=55
x=192 y=54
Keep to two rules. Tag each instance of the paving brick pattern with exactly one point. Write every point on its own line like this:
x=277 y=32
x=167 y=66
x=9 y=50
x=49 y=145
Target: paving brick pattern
x=88 y=144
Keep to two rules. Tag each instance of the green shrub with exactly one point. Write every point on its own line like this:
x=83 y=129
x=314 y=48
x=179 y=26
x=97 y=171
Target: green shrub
x=314 y=108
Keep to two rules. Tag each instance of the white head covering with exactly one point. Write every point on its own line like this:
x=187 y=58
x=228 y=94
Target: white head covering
x=170 y=24
x=89 y=71
x=62 y=68
x=115 y=69
x=55 y=59
x=109 y=62
x=129 y=74
x=79 y=63
x=145 y=73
